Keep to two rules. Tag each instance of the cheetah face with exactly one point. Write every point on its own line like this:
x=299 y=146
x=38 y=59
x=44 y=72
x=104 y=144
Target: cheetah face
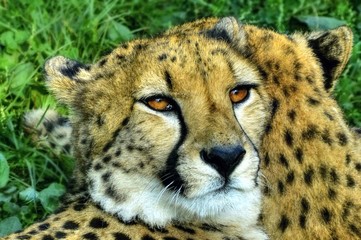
x=167 y=129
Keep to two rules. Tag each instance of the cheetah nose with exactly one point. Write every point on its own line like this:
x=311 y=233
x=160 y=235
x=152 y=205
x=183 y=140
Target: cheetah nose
x=224 y=159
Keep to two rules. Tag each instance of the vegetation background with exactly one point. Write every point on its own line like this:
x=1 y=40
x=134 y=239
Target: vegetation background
x=31 y=180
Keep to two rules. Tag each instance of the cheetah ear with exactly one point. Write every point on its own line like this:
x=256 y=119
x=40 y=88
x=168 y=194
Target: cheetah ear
x=230 y=30
x=65 y=76
x=333 y=49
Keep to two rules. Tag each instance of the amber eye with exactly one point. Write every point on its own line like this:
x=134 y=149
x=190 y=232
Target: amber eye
x=238 y=94
x=159 y=104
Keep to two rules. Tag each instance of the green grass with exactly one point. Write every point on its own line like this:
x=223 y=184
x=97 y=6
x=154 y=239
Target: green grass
x=32 y=31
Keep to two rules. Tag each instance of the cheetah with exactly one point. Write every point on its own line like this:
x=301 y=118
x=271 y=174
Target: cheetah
x=233 y=126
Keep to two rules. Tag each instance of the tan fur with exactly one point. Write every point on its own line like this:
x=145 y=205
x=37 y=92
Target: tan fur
x=310 y=159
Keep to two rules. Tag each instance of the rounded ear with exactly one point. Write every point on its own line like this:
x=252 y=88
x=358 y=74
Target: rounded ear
x=65 y=76
x=333 y=49
x=230 y=30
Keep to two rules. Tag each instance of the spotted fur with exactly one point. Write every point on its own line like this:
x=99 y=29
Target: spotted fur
x=310 y=159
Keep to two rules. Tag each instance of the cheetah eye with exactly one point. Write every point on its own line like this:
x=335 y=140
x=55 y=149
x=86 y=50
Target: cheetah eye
x=159 y=103
x=239 y=94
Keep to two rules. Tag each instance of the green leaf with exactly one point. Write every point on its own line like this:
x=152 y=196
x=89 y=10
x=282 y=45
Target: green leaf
x=8 y=40
x=49 y=197
x=10 y=225
x=20 y=77
x=119 y=32
x=320 y=23
x=8 y=60
x=21 y=36
x=29 y=194
x=4 y=171
x=11 y=208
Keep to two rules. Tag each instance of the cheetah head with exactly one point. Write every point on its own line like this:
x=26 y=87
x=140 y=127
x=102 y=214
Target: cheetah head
x=170 y=128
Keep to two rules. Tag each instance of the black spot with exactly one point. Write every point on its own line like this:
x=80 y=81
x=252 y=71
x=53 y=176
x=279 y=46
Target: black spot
x=218 y=34
x=290 y=177
x=72 y=68
x=103 y=62
x=106 y=176
x=266 y=160
x=79 y=207
x=308 y=176
x=100 y=121
x=98 y=222
x=106 y=159
x=170 y=238
x=323 y=172
x=173 y=59
x=113 y=194
x=275 y=106
x=43 y=226
x=283 y=160
x=67 y=148
x=70 y=225
x=355 y=230
x=329 y=116
x=116 y=165
x=326 y=137
x=268 y=128
x=310 y=133
x=288 y=137
x=332 y=194
x=162 y=57
x=60 y=235
x=124 y=123
x=117 y=153
x=209 y=228
x=120 y=236
x=49 y=126
x=326 y=215
x=185 y=229
x=97 y=167
x=284 y=89
x=47 y=237
x=312 y=101
x=168 y=79
x=266 y=190
x=302 y=220
x=90 y=236
x=348 y=159
x=299 y=155
x=24 y=237
x=358 y=167
x=342 y=139
x=334 y=176
x=305 y=206
x=350 y=181
x=33 y=232
x=281 y=187
x=291 y=115
x=346 y=209
x=108 y=145
x=284 y=223
x=147 y=237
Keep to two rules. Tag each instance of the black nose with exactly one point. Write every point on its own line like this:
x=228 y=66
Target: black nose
x=224 y=158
